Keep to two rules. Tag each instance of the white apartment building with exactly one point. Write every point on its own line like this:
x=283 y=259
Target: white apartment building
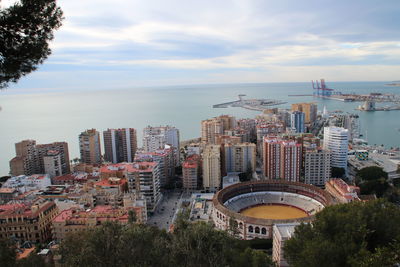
x=336 y=139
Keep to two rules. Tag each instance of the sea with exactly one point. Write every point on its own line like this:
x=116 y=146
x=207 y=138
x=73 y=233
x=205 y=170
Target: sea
x=47 y=116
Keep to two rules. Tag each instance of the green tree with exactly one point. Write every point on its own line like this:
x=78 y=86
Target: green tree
x=347 y=235
x=337 y=172
x=25 y=31
x=132 y=216
x=7 y=253
x=372 y=180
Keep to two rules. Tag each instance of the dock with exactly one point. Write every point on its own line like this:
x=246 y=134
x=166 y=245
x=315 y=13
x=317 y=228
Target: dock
x=252 y=104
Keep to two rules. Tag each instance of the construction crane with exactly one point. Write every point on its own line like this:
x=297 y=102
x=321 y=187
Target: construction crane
x=321 y=90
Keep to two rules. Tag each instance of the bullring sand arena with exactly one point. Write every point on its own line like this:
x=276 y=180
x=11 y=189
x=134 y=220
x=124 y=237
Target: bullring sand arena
x=274 y=212
x=258 y=205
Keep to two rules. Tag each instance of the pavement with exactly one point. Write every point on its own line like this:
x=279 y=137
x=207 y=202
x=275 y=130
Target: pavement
x=166 y=210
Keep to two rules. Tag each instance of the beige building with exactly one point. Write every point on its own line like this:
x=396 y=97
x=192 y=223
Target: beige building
x=212 y=128
x=29 y=157
x=212 y=167
x=74 y=220
x=240 y=157
x=281 y=233
x=89 y=145
x=27 y=222
x=309 y=109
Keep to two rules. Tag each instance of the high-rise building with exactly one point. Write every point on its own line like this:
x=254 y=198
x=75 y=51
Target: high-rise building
x=212 y=128
x=282 y=159
x=240 y=157
x=166 y=162
x=62 y=147
x=155 y=138
x=317 y=165
x=309 y=109
x=29 y=157
x=191 y=169
x=336 y=140
x=297 y=119
x=52 y=163
x=144 y=179
x=212 y=167
x=89 y=145
x=120 y=145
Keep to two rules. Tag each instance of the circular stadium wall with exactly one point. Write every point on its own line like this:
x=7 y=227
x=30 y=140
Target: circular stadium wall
x=295 y=202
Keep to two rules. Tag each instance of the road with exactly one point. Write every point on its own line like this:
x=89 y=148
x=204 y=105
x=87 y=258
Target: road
x=164 y=214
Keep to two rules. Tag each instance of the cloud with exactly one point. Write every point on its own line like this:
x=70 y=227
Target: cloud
x=211 y=40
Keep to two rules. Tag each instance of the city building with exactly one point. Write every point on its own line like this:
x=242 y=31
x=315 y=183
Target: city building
x=281 y=233
x=156 y=138
x=29 y=157
x=74 y=220
x=282 y=159
x=214 y=127
x=336 y=140
x=212 y=167
x=24 y=183
x=166 y=162
x=239 y=157
x=74 y=178
x=89 y=145
x=317 y=165
x=144 y=179
x=309 y=109
x=297 y=120
x=120 y=145
x=191 y=170
x=52 y=163
x=27 y=221
x=341 y=191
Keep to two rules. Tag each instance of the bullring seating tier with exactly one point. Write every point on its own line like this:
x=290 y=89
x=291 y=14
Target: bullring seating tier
x=245 y=201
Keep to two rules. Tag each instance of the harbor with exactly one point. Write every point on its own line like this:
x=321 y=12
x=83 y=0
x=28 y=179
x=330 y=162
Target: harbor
x=322 y=91
x=252 y=104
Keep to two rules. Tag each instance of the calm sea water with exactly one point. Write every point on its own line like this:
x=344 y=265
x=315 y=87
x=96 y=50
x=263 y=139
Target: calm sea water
x=62 y=116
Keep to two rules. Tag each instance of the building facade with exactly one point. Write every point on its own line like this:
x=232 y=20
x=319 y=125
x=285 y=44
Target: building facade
x=29 y=157
x=282 y=159
x=309 y=109
x=240 y=157
x=212 y=167
x=191 y=170
x=52 y=163
x=27 y=222
x=297 y=120
x=120 y=145
x=89 y=146
x=317 y=166
x=336 y=139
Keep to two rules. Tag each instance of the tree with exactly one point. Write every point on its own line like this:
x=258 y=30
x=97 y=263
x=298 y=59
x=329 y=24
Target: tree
x=25 y=31
x=7 y=253
x=132 y=216
x=338 y=172
x=347 y=235
x=191 y=244
x=372 y=180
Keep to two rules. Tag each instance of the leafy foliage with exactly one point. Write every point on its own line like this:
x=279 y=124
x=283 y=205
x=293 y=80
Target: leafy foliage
x=25 y=31
x=197 y=244
x=355 y=234
x=372 y=180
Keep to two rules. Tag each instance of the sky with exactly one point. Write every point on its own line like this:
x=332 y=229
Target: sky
x=130 y=43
